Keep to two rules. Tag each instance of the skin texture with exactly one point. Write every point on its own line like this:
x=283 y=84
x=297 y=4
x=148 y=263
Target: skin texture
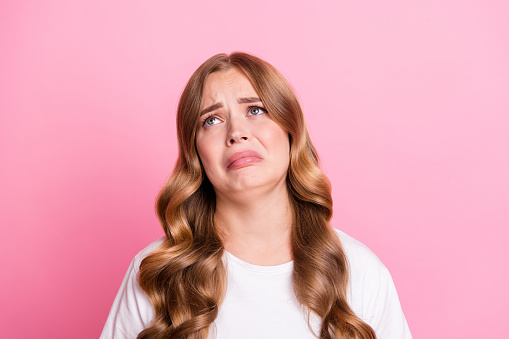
x=252 y=207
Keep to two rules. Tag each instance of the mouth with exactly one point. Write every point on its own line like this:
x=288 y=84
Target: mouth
x=242 y=159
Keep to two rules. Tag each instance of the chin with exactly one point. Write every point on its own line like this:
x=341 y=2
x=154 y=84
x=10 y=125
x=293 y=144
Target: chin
x=254 y=182
x=245 y=184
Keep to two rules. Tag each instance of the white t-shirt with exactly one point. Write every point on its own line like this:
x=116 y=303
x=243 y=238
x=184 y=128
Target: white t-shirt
x=260 y=302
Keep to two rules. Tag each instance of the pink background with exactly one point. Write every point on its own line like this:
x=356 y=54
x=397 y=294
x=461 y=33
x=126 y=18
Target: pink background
x=407 y=104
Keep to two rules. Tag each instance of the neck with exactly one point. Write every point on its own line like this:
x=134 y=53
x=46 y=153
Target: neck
x=256 y=227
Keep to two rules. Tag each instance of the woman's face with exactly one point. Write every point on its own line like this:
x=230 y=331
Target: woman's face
x=240 y=146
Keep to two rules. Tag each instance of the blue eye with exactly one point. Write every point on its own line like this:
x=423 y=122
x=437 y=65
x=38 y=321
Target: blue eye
x=255 y=110
x=210 y=121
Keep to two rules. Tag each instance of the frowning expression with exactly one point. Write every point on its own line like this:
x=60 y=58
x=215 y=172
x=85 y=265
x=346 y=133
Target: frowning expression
x=239 y=145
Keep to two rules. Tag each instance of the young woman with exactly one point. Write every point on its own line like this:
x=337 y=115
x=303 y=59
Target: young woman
x=249 y=251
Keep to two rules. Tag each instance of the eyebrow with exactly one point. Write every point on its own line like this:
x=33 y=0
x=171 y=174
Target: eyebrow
x=248 y=100
x=213 y=107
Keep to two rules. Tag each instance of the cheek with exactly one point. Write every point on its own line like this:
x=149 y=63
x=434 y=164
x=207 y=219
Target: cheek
x=210 y=155
x=204 y=153
x=279 y=138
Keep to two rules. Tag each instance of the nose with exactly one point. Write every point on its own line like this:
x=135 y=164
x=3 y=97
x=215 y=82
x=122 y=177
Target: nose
x=237 y=132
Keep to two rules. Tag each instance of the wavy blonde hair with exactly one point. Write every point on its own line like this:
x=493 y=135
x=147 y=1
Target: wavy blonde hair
x=185 y=278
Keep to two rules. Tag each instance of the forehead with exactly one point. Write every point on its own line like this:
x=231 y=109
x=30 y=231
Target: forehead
x=223 y=85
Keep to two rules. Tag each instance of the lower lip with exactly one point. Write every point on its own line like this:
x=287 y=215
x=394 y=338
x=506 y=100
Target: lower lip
x=243 y=162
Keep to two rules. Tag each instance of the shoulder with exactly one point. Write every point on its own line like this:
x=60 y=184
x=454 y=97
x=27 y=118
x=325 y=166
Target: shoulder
x=367 y=272
x=138 y=258
x=368 y=275
x=371 y=291
x=360 y=258
x=132 y=310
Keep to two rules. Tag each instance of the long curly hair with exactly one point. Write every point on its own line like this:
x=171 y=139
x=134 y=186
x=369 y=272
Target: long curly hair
x=185 y=278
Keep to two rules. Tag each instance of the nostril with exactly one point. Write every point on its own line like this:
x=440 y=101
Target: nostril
x=236 y=139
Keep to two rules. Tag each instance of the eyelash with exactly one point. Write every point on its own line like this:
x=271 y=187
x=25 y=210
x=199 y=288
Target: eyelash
x=211 y=115
x=207 y=117
x=260 y=108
